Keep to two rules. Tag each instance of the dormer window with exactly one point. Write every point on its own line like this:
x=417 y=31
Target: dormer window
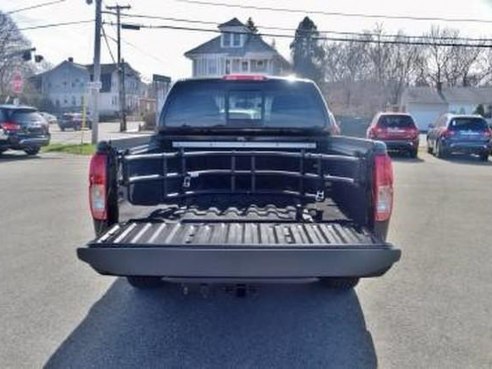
x=231 y=39
x=226 y=39
x=236 y=40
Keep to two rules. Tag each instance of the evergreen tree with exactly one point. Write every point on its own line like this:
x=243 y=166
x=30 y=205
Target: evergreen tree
x=307 y=52
x=251 y=25
x=480 y=110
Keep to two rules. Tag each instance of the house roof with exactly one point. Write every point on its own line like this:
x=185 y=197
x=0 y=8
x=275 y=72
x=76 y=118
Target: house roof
x=110 y=68
x=430 y=95
x=234 y=22
x=105 y=68
x=254 y=43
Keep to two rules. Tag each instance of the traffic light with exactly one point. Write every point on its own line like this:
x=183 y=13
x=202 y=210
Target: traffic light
x=26 y=55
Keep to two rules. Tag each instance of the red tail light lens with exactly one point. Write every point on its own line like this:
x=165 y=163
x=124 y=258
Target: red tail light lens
x=371 y=133
x=244 y=77
x=97 y=186
x=9 y=126
x=413 y=133
x=383 y=187
x=447 y=133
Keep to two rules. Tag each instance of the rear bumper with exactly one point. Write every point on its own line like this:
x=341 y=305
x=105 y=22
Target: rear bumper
x=22 y=142
x=260 y=262
x=402 y=144
x=35 y=141
x=467 y=147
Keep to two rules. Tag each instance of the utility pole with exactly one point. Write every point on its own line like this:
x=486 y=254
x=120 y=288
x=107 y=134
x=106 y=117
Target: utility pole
x=95 y=86
x=121 y=72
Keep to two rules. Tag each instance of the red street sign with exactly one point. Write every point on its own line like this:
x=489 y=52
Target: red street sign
x=17 y=82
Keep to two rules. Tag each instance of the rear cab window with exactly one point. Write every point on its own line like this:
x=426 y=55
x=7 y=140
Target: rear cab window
x=249 y=104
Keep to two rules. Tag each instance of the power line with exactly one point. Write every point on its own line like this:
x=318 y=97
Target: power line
x=136 y=48
x=56 y=25
x=365 y=34
x=34 y=6
x=357 y=15
x=107 y=45
x=324 y=38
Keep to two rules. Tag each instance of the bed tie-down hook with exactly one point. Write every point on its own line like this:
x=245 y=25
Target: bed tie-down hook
x=187 y=181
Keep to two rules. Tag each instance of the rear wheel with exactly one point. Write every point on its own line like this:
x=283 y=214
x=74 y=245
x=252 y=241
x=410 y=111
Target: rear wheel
x=441 y=152
x=429 y=147
x=62 y=129
x=32 y=151
x=340 y=283
x=414 y=153
x=145 y=282
x=484 y=156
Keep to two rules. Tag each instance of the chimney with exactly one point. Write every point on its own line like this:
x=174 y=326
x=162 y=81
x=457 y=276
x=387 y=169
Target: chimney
x=70 y=60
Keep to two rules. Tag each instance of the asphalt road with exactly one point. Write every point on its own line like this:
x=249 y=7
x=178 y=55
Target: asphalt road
x=433 y=310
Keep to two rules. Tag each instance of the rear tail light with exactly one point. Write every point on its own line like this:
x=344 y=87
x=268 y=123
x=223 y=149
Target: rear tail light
x=447 y=133
x=378 y=132
x=413 y=133
x=9 y=126
x=371 y=133
x=97 y=186
x=383 y=188
x=244 y=77
x=487 y=133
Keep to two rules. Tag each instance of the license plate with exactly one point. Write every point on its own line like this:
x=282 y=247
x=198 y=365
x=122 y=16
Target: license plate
x=469 y=133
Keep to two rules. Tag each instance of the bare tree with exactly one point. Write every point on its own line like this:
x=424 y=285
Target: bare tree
x=11 y=40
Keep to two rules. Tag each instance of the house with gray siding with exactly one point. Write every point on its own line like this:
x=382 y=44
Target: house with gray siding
x=66 y=86
x=426 y=104
x=236 y=50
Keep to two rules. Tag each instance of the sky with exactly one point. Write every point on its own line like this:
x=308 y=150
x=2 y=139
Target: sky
x=160 y=51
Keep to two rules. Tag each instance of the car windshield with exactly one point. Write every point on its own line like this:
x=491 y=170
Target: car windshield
x=396 y=121
x=468 y=124
x=270 y=104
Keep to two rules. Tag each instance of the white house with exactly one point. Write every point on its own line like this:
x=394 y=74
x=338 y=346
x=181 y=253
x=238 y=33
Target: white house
x=236 y=50
x=426 y=104
x=66 y=87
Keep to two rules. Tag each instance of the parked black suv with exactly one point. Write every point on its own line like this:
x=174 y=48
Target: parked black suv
x=22 y=128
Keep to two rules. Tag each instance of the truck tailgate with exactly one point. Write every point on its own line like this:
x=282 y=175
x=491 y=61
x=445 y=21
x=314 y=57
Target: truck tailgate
x=239 y=249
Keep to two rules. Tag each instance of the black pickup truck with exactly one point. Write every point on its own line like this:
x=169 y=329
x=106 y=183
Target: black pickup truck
x=242 y=182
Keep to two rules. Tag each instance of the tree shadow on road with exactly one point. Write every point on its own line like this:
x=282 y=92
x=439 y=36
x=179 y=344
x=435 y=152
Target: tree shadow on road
x=405 y=158
x=298 y=326
x=467 y=160
x=8 y=157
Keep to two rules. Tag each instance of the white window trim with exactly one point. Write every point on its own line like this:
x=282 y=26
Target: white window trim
x=231 y=40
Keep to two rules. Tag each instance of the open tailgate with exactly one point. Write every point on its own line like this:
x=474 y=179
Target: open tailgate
x=239 y=249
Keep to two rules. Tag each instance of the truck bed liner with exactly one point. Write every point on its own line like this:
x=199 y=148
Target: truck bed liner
x=222 y=234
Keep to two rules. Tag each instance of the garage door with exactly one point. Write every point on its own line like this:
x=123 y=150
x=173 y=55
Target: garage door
x=424 y=115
